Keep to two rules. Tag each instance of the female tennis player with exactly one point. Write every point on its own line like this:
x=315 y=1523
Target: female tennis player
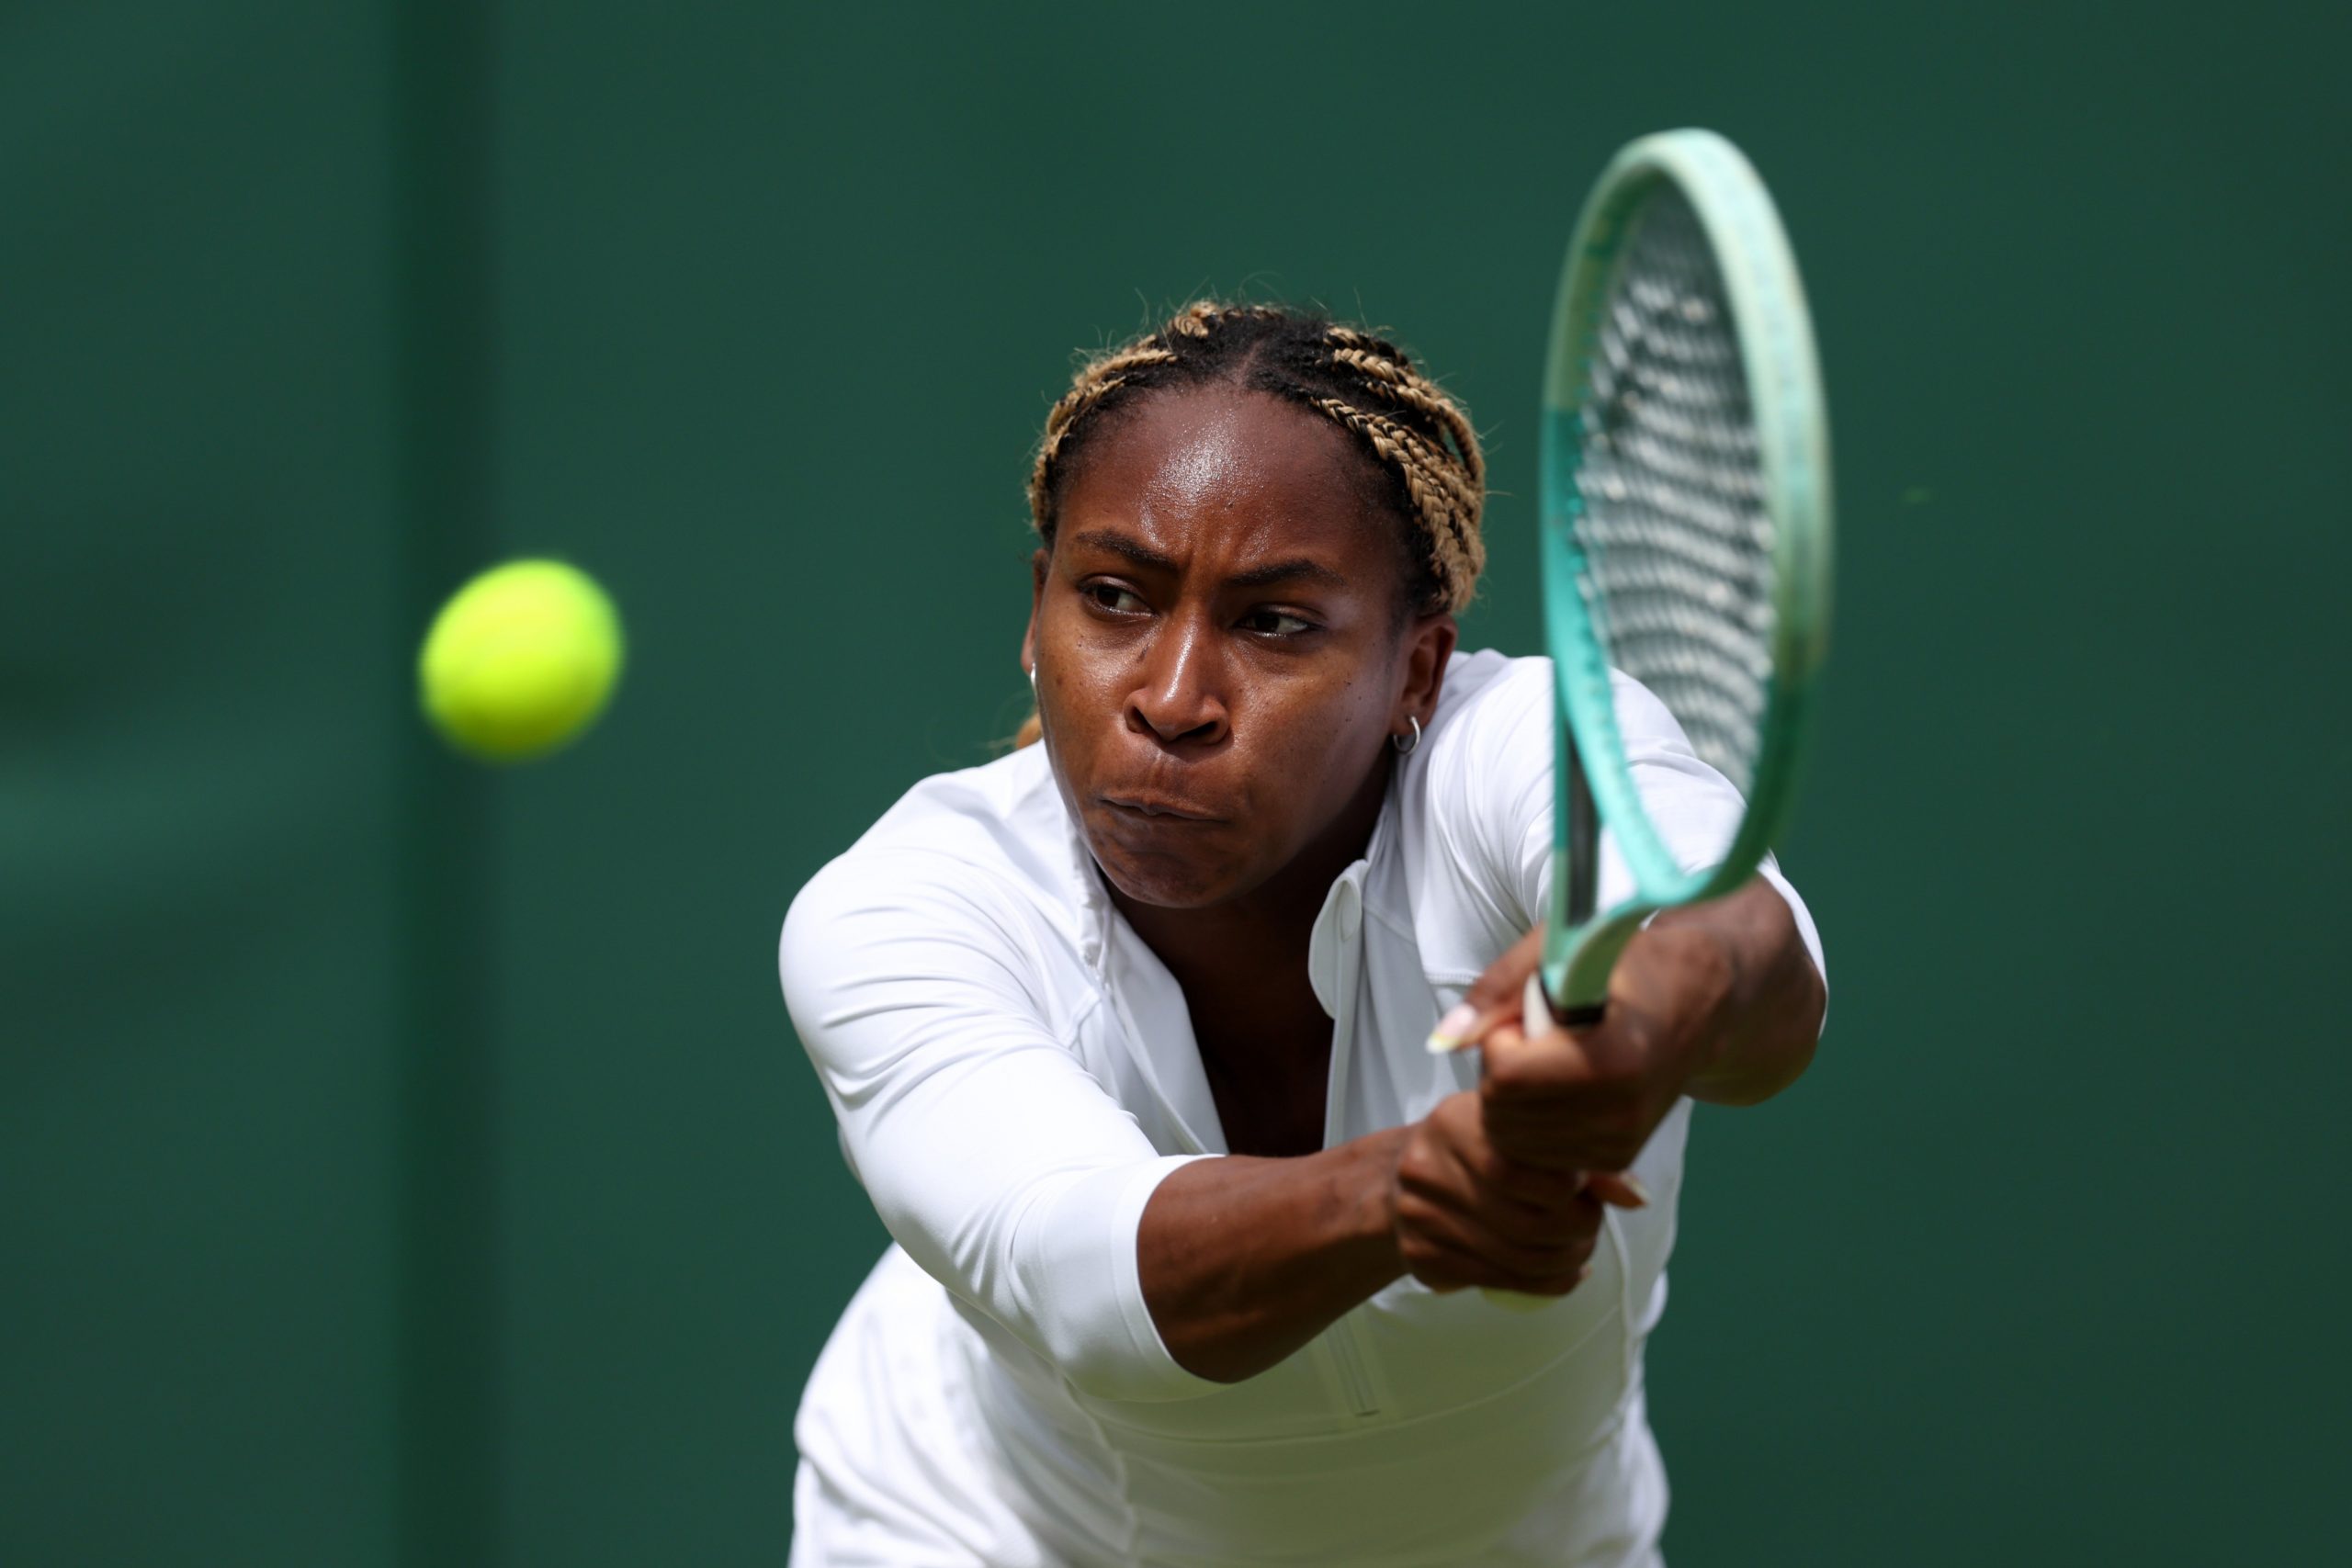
x=1128 y=1031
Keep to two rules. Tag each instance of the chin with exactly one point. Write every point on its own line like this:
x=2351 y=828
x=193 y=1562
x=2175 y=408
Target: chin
x=1166 y=879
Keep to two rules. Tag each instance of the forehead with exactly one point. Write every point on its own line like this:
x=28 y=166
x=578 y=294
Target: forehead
x=1221 y=465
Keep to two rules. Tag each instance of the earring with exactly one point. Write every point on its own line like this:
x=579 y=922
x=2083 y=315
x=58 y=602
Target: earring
x=1033 y=679
x=1403 y=747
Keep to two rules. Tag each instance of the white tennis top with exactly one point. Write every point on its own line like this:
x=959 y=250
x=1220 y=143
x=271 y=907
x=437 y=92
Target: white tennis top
x=1014 y=1071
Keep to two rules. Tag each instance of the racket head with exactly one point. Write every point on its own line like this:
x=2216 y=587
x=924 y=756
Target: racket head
x=1685 y=520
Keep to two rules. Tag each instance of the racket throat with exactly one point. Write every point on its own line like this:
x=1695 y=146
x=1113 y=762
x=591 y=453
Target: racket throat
x=1575 y=975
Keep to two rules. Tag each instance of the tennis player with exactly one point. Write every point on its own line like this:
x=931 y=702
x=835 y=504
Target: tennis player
x=1127 y=1032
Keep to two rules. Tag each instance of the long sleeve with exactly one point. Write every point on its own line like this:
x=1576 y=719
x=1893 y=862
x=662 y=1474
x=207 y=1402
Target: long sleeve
x=993 y=1157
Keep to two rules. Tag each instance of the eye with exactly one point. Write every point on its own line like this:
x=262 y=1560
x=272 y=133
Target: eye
x=1113 y=597
x=1278 y=622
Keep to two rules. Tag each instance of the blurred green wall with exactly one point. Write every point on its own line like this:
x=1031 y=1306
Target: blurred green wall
x=399 y=1163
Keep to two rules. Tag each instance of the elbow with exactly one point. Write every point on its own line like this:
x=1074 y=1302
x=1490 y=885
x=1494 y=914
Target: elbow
x=1803 y=1006
x=1075 y=1293
x=1132 y=1380
x=1782 y=1036
x=1120 y=1369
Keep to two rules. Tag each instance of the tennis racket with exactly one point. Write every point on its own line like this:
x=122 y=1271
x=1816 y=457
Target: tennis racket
x=1685 y=531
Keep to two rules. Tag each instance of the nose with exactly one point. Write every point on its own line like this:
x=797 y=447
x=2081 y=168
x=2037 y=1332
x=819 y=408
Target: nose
x=1178 y=695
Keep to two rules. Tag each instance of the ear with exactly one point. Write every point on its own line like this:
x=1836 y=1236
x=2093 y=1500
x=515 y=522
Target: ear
x=1425 y=649
x=1038 y=565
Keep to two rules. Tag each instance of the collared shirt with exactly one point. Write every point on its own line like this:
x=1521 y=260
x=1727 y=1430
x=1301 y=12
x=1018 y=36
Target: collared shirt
x=1014 y=1071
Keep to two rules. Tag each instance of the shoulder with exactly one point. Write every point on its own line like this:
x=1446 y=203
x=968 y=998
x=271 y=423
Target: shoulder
x=1489 y=692
x=1446 y=863
x=1484 y=686
x=1490 y=723
x=978 y=848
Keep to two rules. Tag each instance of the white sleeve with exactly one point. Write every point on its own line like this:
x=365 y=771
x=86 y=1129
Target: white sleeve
x=1502 y=784
x=994 y=1158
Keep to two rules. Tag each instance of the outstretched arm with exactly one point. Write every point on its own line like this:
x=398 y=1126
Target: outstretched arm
x=1007 y=1172
x=1721 y=1001
x=1243 y=1261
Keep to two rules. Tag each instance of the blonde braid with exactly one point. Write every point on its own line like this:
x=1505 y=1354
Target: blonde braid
x=1098 y=379
x=1446 y=476
x=1416 y=391
x=1445 y=504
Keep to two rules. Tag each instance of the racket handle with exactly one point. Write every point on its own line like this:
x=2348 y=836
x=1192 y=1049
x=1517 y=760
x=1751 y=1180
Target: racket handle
x=1537 y=1003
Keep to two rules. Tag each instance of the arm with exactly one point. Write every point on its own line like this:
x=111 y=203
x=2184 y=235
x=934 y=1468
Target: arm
x=1244 y=1259
x=1723 y=1001
x=1720 y=1001
x=1769 y=1017
x=991 y=1154
x=1007 y=1172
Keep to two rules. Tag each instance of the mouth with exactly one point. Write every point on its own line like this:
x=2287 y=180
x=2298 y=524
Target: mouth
x=1157 y=807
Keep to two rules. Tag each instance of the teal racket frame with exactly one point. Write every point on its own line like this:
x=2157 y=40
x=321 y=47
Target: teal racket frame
x=1775 y=333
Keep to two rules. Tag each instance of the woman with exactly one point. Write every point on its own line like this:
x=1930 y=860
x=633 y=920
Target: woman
x=1127 y=1030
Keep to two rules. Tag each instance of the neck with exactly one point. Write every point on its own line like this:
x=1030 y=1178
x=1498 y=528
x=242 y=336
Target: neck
x=1266 y=928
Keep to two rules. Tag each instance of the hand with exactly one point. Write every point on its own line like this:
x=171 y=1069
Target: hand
x=1587 y=1100
x=1463 y=1213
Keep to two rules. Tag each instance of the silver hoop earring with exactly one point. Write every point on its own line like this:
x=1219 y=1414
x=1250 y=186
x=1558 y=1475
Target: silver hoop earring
x=1405 y=747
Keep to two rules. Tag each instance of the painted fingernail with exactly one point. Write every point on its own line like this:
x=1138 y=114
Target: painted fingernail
x=1448 y=1034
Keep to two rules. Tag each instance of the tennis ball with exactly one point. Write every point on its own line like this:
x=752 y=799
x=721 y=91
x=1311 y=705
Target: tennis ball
x=521 y=660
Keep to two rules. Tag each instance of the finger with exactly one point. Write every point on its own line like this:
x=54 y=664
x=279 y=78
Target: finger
x=1559 y=1212
x=1618 y=1189
x=1464 y=1026
x=1525 y=1239
x=1493 y=997
x=1552 y=1054
x=1542 y=1189
x=1445 y=1268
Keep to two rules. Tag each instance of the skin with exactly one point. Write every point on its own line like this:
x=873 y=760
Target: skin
x=1221 y=663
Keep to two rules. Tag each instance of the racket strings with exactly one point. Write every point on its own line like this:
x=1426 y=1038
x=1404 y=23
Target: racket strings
x=1672 y=523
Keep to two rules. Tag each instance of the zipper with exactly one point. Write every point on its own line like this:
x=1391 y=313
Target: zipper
x=1348 y=1361
x=1347 y=1349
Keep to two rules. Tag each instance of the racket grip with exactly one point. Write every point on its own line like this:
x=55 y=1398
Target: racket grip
x=1538 y=1003
x=1535 y=1004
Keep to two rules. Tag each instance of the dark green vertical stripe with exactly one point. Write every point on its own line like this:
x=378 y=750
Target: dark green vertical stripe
x=448 y=1400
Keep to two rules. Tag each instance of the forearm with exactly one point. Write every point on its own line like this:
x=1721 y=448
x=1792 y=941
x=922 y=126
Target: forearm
x=1775 y=999
x=1243 y=1259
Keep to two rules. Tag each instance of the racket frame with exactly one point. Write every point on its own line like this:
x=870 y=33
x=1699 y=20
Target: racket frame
x=1776 y=349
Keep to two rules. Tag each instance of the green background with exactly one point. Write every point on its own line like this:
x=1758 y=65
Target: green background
x=404 y=1163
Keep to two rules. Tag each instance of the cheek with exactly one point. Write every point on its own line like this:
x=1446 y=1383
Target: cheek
x=1325 y=728
x=1073 y=656
x=1072 y=700
x=1306 y=761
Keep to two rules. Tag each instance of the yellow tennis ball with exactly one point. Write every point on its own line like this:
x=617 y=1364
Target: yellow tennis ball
x=520 y=661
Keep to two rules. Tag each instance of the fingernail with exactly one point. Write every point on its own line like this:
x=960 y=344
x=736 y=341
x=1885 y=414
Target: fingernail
x=1634 y=1185
x=1447 y=1035
x=1584 y=1273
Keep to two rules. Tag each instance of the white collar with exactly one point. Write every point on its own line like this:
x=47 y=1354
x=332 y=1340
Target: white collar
x=1149 y=1001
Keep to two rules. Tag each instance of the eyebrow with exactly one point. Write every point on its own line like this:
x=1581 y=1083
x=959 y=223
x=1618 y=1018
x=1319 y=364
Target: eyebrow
x=1297 y=570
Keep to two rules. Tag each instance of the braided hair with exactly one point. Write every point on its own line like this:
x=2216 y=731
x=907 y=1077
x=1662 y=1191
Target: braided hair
x=1422 y=450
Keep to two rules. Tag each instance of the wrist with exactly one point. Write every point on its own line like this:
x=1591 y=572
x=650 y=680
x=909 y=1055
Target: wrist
x=1371 y=1187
